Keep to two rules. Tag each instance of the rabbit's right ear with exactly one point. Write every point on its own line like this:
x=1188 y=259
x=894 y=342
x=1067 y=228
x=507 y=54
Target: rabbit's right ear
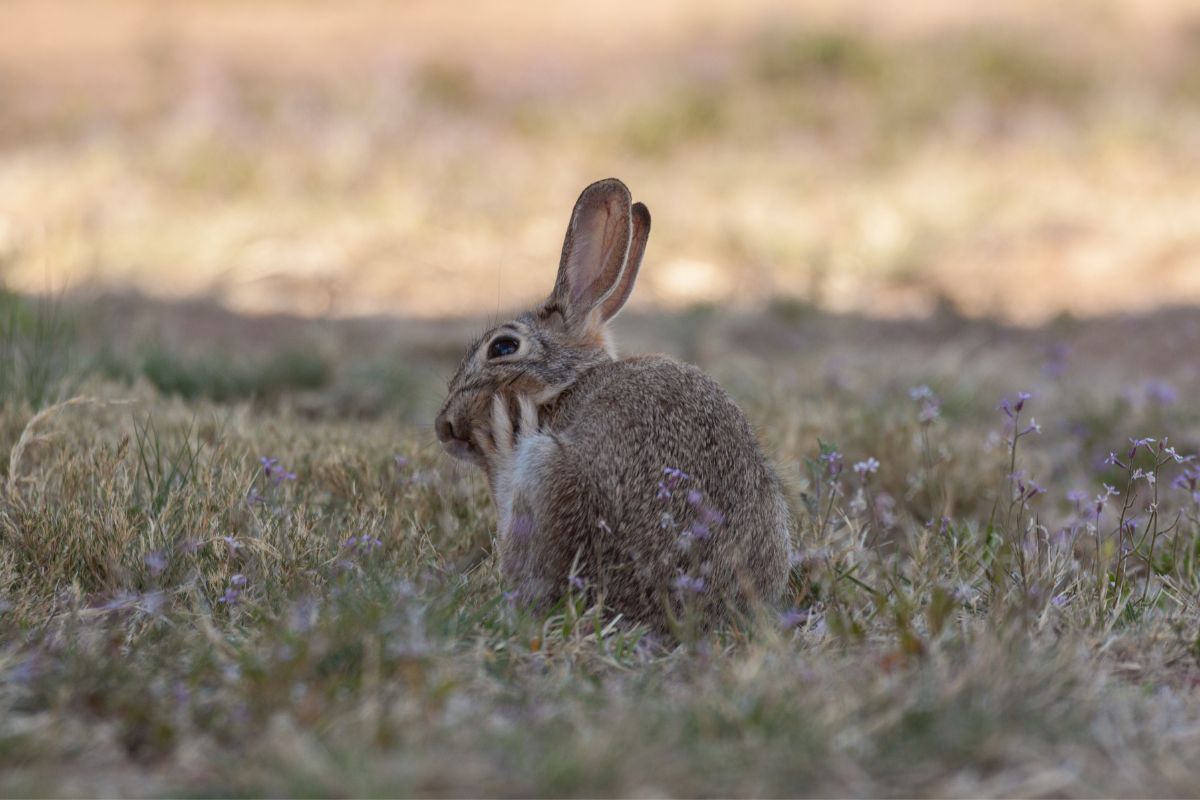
x=595 y=250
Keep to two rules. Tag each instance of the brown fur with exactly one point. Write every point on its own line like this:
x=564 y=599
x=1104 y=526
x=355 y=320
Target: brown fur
x=576 y=445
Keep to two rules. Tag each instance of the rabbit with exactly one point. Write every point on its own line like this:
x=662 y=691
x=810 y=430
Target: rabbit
x=637 y=480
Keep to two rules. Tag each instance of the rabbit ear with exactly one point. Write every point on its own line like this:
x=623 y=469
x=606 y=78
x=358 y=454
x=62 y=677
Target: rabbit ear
x=637 y=248
x=596 y=248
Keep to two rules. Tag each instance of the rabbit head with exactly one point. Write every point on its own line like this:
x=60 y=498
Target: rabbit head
x=542 y=352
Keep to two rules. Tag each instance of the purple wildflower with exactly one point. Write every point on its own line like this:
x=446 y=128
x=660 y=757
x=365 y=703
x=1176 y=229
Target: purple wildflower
x=275 y=471
x=1102 y=499
x=868 y=467
x=1188 y=480
x=1161 y=393
x=577 y=583
x=152 y=602
x=833 y=462
x=921 y=392
x=363 y=544
x=1174 y=454
x=672 y=478
x=1136 y=443
x=929 y=405
x=1012 y=409
x=694 y=497
x=686 y=583
x=1027 y=491
x=792 y=618
x=156 y=561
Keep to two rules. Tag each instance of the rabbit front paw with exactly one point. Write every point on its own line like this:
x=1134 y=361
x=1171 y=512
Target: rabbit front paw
x=500 y=443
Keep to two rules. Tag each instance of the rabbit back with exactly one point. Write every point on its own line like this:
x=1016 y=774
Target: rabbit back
x=647 y=485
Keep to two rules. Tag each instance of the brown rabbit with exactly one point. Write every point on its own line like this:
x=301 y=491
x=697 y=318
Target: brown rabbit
x=637 y=479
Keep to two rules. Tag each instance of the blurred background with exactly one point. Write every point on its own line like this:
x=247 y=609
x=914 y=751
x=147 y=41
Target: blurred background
x=209 y=175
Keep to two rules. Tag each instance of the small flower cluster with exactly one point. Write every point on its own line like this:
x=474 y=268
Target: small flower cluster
x=1026 y=491
x=868 y=467
x=274 y=476
x=834 y=463
x=1103 y=498
x=233 y=591
x=1161 y=393
x=928 y=404
x=275 y=471
x=362 y=545
x=704 y=517
x=156 y=562
x=687 y=584
x=672 y=478
x=1013 y=409
x=1189 y=481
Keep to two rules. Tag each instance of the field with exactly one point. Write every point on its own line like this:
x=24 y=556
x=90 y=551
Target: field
x=944 y=261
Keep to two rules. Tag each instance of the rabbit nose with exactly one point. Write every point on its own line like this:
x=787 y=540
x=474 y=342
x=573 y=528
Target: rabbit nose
x=446 y=430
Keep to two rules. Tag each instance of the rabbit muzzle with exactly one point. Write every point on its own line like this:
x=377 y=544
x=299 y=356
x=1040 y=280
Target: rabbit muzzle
x=455 y=436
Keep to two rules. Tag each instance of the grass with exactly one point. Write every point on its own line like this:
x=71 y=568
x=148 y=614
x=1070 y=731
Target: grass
x=202 y=597
x=36 y=340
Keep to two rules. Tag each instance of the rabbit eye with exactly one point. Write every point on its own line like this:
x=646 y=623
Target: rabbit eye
x=503 y=346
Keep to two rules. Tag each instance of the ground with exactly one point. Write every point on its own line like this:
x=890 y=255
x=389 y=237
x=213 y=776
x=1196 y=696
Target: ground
x=944 y=258
x=276 y=583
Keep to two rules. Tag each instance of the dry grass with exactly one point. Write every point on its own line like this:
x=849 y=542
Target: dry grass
x=175 y=620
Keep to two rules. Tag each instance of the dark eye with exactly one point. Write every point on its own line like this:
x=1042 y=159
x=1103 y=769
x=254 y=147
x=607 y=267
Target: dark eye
x=503 y=346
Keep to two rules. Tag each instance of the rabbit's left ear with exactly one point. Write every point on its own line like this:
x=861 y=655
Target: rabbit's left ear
x=637 y=248
x=595 y=251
